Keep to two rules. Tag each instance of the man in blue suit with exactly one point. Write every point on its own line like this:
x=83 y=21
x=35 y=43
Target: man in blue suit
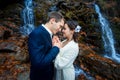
x=41 y=50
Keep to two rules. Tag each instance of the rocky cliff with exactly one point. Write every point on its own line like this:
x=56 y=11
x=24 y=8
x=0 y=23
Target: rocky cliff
x=14 y=58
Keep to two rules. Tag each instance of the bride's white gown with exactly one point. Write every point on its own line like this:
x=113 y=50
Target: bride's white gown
x=64 y=62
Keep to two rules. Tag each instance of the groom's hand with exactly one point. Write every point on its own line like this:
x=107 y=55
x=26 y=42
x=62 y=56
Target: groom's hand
x=56 y=42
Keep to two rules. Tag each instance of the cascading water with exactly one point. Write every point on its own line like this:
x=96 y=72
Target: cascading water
x=28 y=18
x=107 y=37
x=79 y=71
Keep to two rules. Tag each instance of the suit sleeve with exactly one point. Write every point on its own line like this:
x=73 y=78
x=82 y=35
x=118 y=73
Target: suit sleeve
x=39 y=58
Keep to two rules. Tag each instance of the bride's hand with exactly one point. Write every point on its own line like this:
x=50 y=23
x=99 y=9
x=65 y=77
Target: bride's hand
x=56 y=42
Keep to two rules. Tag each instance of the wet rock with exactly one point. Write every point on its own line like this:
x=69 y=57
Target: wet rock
x=23 y=76
x=82 y=77
x=4 y=32
x=5 y=3
x=2 y=60
x=17 y=45
x=97 y=64
x=6 y=35
x=7 y=46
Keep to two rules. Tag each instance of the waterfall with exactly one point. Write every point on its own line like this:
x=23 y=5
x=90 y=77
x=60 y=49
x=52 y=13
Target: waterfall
x=79 y=71
x=28 y=18
x=107 y=37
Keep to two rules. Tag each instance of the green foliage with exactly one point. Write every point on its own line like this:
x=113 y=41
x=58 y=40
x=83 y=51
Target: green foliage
x=41 y=11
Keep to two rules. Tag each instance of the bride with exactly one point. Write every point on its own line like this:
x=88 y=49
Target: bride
x=64 y=69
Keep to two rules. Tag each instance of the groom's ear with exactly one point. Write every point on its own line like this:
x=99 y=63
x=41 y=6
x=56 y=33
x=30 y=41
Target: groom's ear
x=52 y=20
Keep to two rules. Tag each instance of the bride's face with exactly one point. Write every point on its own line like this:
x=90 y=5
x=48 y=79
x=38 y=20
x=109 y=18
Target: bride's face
x=66 y=31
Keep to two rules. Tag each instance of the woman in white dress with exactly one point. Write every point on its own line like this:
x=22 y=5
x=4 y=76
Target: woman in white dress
x=68 y=52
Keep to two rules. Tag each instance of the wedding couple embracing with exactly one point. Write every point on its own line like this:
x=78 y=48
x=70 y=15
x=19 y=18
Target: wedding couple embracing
x=52 y=59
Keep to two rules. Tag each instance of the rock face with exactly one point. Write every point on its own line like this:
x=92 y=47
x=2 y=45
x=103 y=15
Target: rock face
x=97 y=65
x=5 y=3
x=14 y=58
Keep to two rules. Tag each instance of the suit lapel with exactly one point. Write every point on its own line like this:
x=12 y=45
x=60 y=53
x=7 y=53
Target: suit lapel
x=48 y=37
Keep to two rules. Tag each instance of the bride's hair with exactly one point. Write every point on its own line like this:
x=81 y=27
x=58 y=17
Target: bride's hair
x=72 y=25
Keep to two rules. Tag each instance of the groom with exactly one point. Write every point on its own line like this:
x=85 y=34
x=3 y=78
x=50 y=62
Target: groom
x=41 y=51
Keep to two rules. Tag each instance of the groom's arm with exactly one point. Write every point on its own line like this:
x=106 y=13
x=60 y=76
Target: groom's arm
x=38 y=56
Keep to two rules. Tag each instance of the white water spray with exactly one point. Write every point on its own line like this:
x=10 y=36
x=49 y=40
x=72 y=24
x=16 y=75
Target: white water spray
x=107 y=37
x=28 y=18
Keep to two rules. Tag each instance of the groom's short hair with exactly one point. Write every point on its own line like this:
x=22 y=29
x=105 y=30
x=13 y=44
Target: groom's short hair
x=57 y=15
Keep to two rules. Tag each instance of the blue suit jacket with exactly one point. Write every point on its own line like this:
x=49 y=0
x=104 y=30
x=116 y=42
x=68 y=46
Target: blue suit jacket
x=41 y=54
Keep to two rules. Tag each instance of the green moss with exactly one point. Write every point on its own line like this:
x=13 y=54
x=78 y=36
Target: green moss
x=69 y=14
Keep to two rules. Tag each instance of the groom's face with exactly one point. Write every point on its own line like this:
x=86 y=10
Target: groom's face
x=57 y=26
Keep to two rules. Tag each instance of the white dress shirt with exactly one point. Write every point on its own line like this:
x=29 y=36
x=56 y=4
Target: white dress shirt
x=48 y=30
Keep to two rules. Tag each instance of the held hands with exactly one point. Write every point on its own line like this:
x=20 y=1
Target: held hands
x=56 y=42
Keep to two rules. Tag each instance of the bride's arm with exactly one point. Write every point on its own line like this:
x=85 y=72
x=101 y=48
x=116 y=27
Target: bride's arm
x=66 y=60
